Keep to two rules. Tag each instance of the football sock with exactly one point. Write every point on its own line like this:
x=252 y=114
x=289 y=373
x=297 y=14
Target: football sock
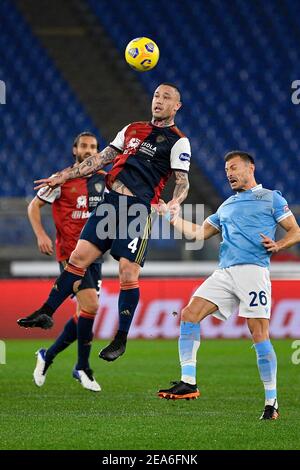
x=63 y=286
x=84 y=339
x=67 y=337
x=122 y=335
x=128 y=301
x=188 y=345
x=267 y=366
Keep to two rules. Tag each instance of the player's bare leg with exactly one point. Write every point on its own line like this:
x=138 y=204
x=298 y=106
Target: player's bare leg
x=83 y=255
x=188 y=344
x=128 y=301
x=267 y=364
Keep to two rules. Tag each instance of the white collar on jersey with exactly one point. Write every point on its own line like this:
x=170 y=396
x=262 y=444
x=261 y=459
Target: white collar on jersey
x=257 y=187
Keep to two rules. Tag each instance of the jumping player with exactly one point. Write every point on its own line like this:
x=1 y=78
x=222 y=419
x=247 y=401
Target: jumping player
x=144 y=155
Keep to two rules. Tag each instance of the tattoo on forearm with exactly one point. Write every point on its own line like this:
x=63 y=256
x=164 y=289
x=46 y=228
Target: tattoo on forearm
x=182 y=186
x=92 y=164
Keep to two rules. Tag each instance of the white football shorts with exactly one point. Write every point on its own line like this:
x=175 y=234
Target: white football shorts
x=244 y=287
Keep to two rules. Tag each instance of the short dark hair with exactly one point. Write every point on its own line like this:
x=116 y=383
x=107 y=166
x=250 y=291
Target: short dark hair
x=239 y=153
x=85 y=134
x=172 y=85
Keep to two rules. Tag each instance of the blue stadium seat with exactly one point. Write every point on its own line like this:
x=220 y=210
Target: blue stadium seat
x=42 y=115
x=235 y=67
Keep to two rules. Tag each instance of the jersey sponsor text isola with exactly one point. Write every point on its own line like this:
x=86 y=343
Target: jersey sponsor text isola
x=148 y=156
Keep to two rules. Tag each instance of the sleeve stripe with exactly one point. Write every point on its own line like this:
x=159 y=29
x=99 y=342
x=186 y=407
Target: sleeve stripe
x=115 y=148
x=214 y=225
x=180 y=169
x=284 y=216
x=44 y=200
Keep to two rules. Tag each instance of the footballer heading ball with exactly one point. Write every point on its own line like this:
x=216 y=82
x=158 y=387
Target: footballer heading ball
x=142 y=54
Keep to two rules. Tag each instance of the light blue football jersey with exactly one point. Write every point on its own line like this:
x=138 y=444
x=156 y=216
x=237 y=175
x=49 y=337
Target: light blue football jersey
x=241 y=218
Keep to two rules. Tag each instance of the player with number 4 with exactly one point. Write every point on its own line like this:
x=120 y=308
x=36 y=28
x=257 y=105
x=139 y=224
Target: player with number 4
x=144 y=155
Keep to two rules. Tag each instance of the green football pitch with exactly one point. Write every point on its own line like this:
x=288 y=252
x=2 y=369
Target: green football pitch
x=126 y=414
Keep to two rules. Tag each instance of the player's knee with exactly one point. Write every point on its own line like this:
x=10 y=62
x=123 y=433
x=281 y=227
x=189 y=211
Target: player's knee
x=77 y=259
x=188 y=315
x=90 y=307
x=128 y=273
x=126 y=277
x=259 y=330
x=88 y=302
x=259 y=336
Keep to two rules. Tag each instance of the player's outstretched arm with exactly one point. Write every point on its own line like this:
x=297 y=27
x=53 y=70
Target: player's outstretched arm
x=181 y=187
x=291 y=237
x=193 y=231
x=89 y=166
x=189 y=229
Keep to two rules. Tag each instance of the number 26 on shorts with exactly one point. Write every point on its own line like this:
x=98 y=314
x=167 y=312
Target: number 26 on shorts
x=258 y=297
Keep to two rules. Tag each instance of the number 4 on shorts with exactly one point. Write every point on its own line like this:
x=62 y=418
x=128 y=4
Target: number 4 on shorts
x=133 y=245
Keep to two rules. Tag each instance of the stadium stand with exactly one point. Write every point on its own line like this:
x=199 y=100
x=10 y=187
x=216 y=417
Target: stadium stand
x=224 y=60
x=42 y=114
x=225 y=106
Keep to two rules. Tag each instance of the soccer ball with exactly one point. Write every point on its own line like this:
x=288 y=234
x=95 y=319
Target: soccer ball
x=142 y=54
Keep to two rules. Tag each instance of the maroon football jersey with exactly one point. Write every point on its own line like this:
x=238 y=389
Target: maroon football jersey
x=72 y=204
x=148 y=155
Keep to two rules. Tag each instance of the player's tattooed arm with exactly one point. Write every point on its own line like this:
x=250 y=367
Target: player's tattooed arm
x=89 y=166
x=92 y=164
x=182 y=186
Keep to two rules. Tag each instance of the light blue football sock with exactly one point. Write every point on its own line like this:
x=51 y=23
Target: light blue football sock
x=188 y=345
x=267 y=366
